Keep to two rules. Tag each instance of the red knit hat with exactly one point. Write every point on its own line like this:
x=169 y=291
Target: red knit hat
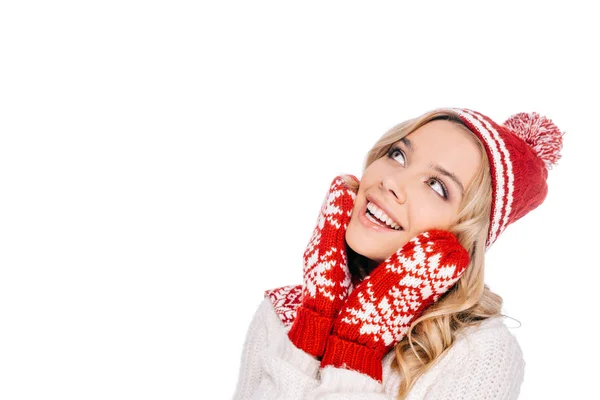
x=520 y=152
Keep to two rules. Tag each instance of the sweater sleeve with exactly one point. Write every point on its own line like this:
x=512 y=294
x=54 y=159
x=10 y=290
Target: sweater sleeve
x=272 y=368
x=250 y=373
x=345 y=384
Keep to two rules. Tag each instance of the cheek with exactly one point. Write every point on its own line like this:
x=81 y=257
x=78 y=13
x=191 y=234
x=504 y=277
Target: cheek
x=428 y=213
x=372 y=175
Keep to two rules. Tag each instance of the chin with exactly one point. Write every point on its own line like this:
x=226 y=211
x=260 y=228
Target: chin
x=366 y=246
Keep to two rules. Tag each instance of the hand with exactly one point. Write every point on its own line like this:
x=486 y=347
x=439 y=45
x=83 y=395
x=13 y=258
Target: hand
x=326 y=275
x=378 y=313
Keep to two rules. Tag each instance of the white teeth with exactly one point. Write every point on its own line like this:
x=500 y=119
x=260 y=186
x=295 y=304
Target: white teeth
x=382 y=216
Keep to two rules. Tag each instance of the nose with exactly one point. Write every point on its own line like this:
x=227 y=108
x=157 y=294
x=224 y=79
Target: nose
x=392 y=185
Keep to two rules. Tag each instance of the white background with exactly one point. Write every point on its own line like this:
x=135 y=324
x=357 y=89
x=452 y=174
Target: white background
x=163 y=162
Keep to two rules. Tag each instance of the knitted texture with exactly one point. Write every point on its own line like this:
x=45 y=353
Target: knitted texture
x=326 y=276
x=484 y=362
x=286 y=300
x=539 y=133
x=378 y=313
x=520 y=152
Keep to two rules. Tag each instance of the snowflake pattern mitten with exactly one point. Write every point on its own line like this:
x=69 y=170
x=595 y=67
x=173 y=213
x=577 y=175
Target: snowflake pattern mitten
x=326 y=277
x=379 y=311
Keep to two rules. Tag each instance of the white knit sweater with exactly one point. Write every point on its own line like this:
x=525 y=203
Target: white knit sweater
x=485 y=362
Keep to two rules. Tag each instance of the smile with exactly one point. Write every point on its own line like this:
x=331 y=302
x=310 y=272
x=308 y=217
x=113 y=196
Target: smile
x=379 y=217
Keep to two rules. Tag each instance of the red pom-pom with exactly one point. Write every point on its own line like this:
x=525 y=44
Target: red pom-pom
x=540 y=133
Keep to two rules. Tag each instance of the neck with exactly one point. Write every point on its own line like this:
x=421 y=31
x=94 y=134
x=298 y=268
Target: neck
x=359 y=265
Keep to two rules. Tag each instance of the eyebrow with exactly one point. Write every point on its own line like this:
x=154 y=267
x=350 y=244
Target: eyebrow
x=407 y=143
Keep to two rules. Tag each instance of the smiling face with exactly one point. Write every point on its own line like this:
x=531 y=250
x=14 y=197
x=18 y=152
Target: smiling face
x=418 y=185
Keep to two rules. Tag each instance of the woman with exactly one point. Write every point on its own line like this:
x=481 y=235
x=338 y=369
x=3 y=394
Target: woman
x=393 y=303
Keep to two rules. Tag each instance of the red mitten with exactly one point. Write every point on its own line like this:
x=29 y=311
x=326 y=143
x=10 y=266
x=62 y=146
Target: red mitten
x=378 y=313
x=326 y=275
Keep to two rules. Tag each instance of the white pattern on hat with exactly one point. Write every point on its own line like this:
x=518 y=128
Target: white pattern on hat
x=494 y=143
x=508 y=201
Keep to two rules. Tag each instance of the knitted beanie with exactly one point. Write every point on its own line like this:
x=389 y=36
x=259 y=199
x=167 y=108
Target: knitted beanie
x=520 y=152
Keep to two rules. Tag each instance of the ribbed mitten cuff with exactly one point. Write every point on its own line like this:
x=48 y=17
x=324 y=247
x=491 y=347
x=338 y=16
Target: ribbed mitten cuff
x=341 y=353
x=310 y=330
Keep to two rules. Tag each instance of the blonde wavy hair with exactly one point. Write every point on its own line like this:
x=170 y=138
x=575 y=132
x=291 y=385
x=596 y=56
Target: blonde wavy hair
x=469 y=301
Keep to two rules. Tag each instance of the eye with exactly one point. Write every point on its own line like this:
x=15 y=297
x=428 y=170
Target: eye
x=438 y=186
x=396 y=154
